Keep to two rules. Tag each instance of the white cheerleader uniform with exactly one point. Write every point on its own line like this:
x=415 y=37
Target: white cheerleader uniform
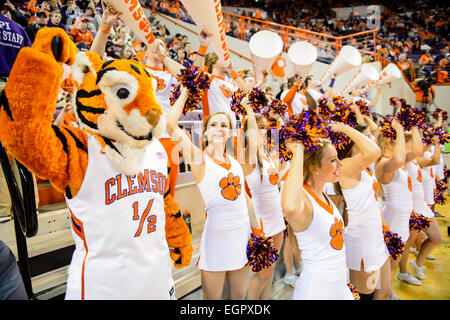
x=398 y=204
x=419 y=204
x=428 y=181
x=439 y=168
x=218 y=97
x=163 y=82
x=324 y=273
x=223 y=246
x=363 y=236
x=266 y=197
x=118 y=224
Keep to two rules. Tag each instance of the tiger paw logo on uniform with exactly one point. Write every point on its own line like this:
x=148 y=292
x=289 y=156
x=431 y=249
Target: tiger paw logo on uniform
x=337 y=240
x=231 y=187
x=273 y=175
x=159 y=83
x=227 y=93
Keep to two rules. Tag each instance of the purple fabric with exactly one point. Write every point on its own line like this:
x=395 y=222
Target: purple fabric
x=12 y=38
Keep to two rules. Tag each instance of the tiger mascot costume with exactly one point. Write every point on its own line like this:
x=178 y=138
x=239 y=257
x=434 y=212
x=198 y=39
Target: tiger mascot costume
x=112 y=170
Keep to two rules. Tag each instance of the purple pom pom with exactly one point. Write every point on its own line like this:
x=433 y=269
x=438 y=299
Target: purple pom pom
x=196 y=82
x=394 y=244
x=261 y=253
x=418 y=222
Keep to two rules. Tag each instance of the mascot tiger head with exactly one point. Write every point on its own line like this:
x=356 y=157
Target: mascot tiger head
x=115 y=99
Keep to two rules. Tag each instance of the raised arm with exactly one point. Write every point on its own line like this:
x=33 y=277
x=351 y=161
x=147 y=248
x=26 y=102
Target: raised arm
x=359 y=116
x=239 y=81
x=352 y=167
x=293 y=199
x=374 y=129
x=27 y=104
x=375 y=99
x=417 y=146
x=109 y=18
x=387 y=167
x=204 y=39
x=192 y=154
x=248 y=159
x=435 y=160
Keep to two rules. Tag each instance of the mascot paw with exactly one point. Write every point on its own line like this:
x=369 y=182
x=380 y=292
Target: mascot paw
x=56 y=43
x=181 y=256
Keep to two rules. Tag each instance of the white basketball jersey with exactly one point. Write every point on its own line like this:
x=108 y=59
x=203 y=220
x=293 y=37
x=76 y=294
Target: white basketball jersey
x=218 y=97
x=162 y=84
x=118 y=224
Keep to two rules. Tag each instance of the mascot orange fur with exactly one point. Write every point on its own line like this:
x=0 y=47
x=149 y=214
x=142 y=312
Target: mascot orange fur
x=113 y=170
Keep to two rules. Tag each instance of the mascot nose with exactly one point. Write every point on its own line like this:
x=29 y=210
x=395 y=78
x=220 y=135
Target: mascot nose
x=152 y=117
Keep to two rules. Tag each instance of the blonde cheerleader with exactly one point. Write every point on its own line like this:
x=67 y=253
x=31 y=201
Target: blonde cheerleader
x=417 y=173
x=366 y=252
x=220 y=179
x=397 y=188
x=262 y=180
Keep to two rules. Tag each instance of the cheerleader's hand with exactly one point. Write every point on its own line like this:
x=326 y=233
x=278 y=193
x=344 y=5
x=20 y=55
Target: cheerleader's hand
x=397 y=126
x=205 y=38
x=258 y=231
x=338 y=126
x=293 y=147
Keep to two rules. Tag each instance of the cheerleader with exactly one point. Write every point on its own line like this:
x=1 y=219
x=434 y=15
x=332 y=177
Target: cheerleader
x=438 y=168
x=302 y=94
x=262 y=180
x=220 y=179
x=417 y=173
x=316 y=222
x=221 y=88
x=291 y=252
x=366 y=252
x=397 y=188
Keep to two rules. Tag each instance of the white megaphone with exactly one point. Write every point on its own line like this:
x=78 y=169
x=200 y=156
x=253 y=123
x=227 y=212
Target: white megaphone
x=389 y=73
x=207 y=15
x=265 y=47
x=134 y=17
x=302 y=55
x=365 y=75
x=347 y=59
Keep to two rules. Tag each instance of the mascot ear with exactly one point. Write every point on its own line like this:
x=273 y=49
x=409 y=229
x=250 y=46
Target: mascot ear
x=86 y=62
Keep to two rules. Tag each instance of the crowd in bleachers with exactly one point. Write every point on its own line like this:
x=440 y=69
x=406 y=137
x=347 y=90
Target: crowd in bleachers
x=413 y=37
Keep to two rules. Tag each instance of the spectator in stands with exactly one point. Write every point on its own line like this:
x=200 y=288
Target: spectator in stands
x=423 y=96
x=55 y=20
x=40 y=21
x=188 y=50
x=72 y=12
x=173 y=51
x=442 y=73
x=16 y=15
x=182 y=59
x=12 y=287
x=93 y=17
x=161 y=31
x=81 y=35
x=127 y=52
x=404 y=65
